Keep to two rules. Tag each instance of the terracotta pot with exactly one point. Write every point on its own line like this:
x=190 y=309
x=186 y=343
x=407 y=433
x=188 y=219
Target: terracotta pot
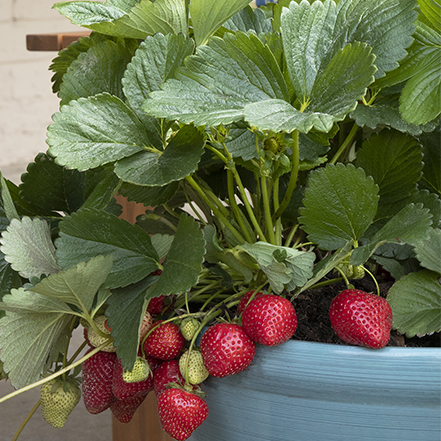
x=303 y=391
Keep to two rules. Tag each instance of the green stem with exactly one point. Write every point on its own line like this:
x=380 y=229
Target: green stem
x=294 y=175
x=26 y=420
x=55 y=375
x=215 y=209
x=235 y=208
x=291 y=235
x=267 y=210
x=346 y=144
x=276 y=204
x=326 y=283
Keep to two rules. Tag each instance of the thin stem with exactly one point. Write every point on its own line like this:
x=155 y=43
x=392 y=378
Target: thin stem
x=215 y=209
x=294 y=175
x=26 y=420
x=276 y=207
x=55 y=375
x=267 y=210
x=346 y=144
x=235 y=208
x=291 y=235
x=374 y=279
x=326 y=283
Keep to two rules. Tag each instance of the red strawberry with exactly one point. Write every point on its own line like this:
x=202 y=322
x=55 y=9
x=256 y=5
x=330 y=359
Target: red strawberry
x=123 y=390
x=244 y=300
x=97 y=374
x=165 y=342
x=181 y=412
x=226 y=349
x=360 y=318
x=269 y=320
x=123 y=410
x=167 y=373
x=156 y=305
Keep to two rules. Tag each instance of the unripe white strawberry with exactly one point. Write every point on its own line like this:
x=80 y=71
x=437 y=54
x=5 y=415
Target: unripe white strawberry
x=58 y=400
x=141 y=370
x=97 y=340
x=146 y=325
x=188 y=327
x=191 y=362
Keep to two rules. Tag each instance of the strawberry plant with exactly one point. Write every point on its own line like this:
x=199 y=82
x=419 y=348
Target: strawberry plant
x=277 y=150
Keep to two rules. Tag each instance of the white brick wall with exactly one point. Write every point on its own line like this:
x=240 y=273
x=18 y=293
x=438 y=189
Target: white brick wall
x=26 y=99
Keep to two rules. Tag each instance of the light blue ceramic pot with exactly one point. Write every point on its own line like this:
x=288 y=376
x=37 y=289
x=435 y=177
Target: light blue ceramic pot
x=301 y=391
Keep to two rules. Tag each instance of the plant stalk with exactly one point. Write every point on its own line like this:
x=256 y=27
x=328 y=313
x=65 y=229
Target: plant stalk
x=295 y=160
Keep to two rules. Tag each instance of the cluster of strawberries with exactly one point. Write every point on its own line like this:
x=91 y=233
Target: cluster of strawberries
x=175 y=373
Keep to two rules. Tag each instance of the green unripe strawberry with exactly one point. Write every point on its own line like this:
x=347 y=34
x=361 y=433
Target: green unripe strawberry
x=191 y=362
x=141 y=370
x=352 y=271
x=96 y=339
x=188 y=327
x=58 y=400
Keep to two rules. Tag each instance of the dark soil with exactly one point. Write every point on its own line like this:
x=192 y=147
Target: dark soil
x=313 y=320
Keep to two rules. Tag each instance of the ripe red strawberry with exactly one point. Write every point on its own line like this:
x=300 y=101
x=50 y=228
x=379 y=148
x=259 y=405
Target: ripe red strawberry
x=244 y=300
x=123 y=390
x=97 y=374
x=226 y=349
x=269 y=320
x=123 y=410
x=181 y=412
x=360 y=318
x=165 y=374
x=165 y=342
x=156 y=305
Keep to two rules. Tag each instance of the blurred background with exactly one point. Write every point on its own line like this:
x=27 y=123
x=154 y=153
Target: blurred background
x=26 y=106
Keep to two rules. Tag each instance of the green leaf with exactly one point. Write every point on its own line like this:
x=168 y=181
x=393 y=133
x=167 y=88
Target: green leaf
x=379 y=115
x=279 y=115
x=325 y=266
x=83 y=13
x=94 y=131
x=156 y=169
x=156 y=60
x=49 y=188
x=432 y=11
x=432 y=161
x=98 y=70
x=241 y=141
x=77 y=285
x=101 y=186
x=215 y=253
x=428 y=252
x=32 y=330
x=249 y=19
x=285 y=267
x=330 y=98
x=394 y=160
x=7 y=203
x=377 y=23
x=28 y=247
x=89 y=233
x=340 y=204
x=420 y=100
x=207 y=17
x=162 y=244
x=416 y=303
x=313 y=34
x=149 y=196
x=183 y=262
x=216 y=84
x=125 y=311
x=65 y=57
x=410 y=225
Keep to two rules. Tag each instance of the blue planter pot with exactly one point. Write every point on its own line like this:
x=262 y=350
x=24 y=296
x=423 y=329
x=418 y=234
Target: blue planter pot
x=303 y=391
